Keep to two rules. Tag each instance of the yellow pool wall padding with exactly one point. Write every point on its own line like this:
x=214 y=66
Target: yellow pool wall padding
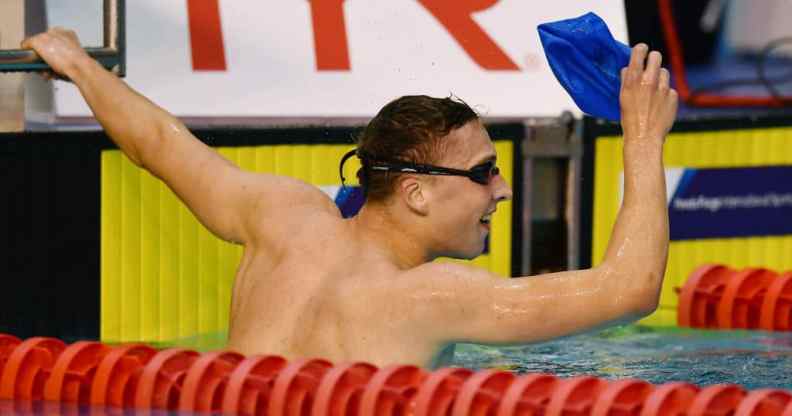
x=715 y=149
x=164 y=277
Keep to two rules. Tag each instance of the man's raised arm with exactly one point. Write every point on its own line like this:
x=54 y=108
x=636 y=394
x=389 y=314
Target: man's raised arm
x=224 y=198
x=456 y=303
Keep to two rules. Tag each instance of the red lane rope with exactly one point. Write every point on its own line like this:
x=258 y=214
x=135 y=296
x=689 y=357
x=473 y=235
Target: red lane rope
x=716 y=296
x=127 y=376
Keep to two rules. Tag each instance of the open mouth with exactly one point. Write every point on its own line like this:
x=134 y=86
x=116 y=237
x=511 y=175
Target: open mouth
x=486 y=219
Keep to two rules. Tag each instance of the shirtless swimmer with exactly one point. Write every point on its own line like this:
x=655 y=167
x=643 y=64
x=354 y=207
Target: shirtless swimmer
x=312 y=284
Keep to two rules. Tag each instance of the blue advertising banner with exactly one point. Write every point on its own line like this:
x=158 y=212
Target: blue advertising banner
x=730 y=202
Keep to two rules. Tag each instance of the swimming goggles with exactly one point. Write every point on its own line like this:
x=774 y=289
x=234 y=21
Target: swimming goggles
x=481 y=174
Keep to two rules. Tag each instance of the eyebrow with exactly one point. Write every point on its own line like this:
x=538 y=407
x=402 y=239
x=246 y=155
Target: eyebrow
x=489 y=158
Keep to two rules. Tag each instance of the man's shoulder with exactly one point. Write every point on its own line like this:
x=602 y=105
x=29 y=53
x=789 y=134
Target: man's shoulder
x=295 y=224
x=299 y=196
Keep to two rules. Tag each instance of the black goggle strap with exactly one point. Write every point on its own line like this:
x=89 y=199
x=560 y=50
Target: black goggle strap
x=346 y=157
x=406 y=167
x=479 y=174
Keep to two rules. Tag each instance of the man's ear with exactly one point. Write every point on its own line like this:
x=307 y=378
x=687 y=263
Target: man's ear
x=415 y=194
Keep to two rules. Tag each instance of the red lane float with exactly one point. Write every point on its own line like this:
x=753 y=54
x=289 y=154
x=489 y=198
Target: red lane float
x=716 y=296
x=45 y=374
x=482 y=392
x=390 y=390
x=742 y=299
x=250 y=384
x=116 y=378
x=73 y=372
x=777 y=305
x=764 y=402
x=528 y=395
x=700 y=295
x=295 y=387
x=206 y=380
x=340 y=389
x=622 y=398
x=670 y=399
x=160 y=382
x=717 y=400
x=7 y=345
x=28 y=368
x=437 y=393
x=575 y=396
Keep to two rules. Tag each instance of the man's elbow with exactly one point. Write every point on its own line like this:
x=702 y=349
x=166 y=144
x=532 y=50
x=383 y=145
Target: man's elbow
x=634 y=291
x=152 y=142
x=645 y=309
x=646 y=298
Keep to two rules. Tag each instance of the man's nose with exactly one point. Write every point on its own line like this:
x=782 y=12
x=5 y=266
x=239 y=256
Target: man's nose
x=503 y=191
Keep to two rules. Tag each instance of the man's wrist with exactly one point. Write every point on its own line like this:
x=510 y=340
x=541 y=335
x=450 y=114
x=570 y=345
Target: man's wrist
x=81 y=69
x=644 y=144
x=644 y=152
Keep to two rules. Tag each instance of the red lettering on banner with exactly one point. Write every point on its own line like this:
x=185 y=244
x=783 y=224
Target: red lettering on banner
x=206 y=35
x=330 y=38
x=456 y=16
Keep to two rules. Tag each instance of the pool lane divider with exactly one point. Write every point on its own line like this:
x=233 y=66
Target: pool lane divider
x=135 y=376
x=718 y=297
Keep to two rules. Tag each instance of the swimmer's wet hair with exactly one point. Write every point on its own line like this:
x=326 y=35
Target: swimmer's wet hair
x=410 y=129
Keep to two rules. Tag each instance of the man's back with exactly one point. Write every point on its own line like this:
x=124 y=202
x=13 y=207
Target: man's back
x=304 y=302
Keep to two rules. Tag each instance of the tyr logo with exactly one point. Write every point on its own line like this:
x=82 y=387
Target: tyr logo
x=330 y=33
x=332 y=48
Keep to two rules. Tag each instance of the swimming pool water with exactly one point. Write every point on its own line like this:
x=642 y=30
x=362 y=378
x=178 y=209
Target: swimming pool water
x=753 y=359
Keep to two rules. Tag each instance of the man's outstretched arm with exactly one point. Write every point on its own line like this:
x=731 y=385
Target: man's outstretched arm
x=456 y=303
x=225 y=199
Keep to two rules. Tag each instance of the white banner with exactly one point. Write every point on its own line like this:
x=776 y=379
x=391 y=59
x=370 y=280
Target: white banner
x=336 y=58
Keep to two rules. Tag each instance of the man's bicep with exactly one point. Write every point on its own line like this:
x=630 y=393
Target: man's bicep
x=449 y=302
x=493 y=310
x=227 y=199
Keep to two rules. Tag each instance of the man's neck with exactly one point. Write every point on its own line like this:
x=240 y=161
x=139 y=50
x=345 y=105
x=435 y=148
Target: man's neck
x=397 y=241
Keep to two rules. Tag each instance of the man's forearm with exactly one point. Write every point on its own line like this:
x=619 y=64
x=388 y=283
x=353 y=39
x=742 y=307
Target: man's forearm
x=133 y=122
x=638 y=247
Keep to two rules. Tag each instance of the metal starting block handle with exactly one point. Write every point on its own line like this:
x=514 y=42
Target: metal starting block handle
x=26 y=60
x=112 y=55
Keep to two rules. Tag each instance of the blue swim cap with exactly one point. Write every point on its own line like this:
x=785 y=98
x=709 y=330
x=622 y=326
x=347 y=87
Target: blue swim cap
x=587 y=61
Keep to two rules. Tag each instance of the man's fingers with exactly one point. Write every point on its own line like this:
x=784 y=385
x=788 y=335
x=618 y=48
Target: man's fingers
x=638 y=56
x=652 y=69
x=673 y=100
x=635 y=67
x=27 y=43
x=63 y=32
x=664 y=80
x=33 y=41
x=623 y=77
